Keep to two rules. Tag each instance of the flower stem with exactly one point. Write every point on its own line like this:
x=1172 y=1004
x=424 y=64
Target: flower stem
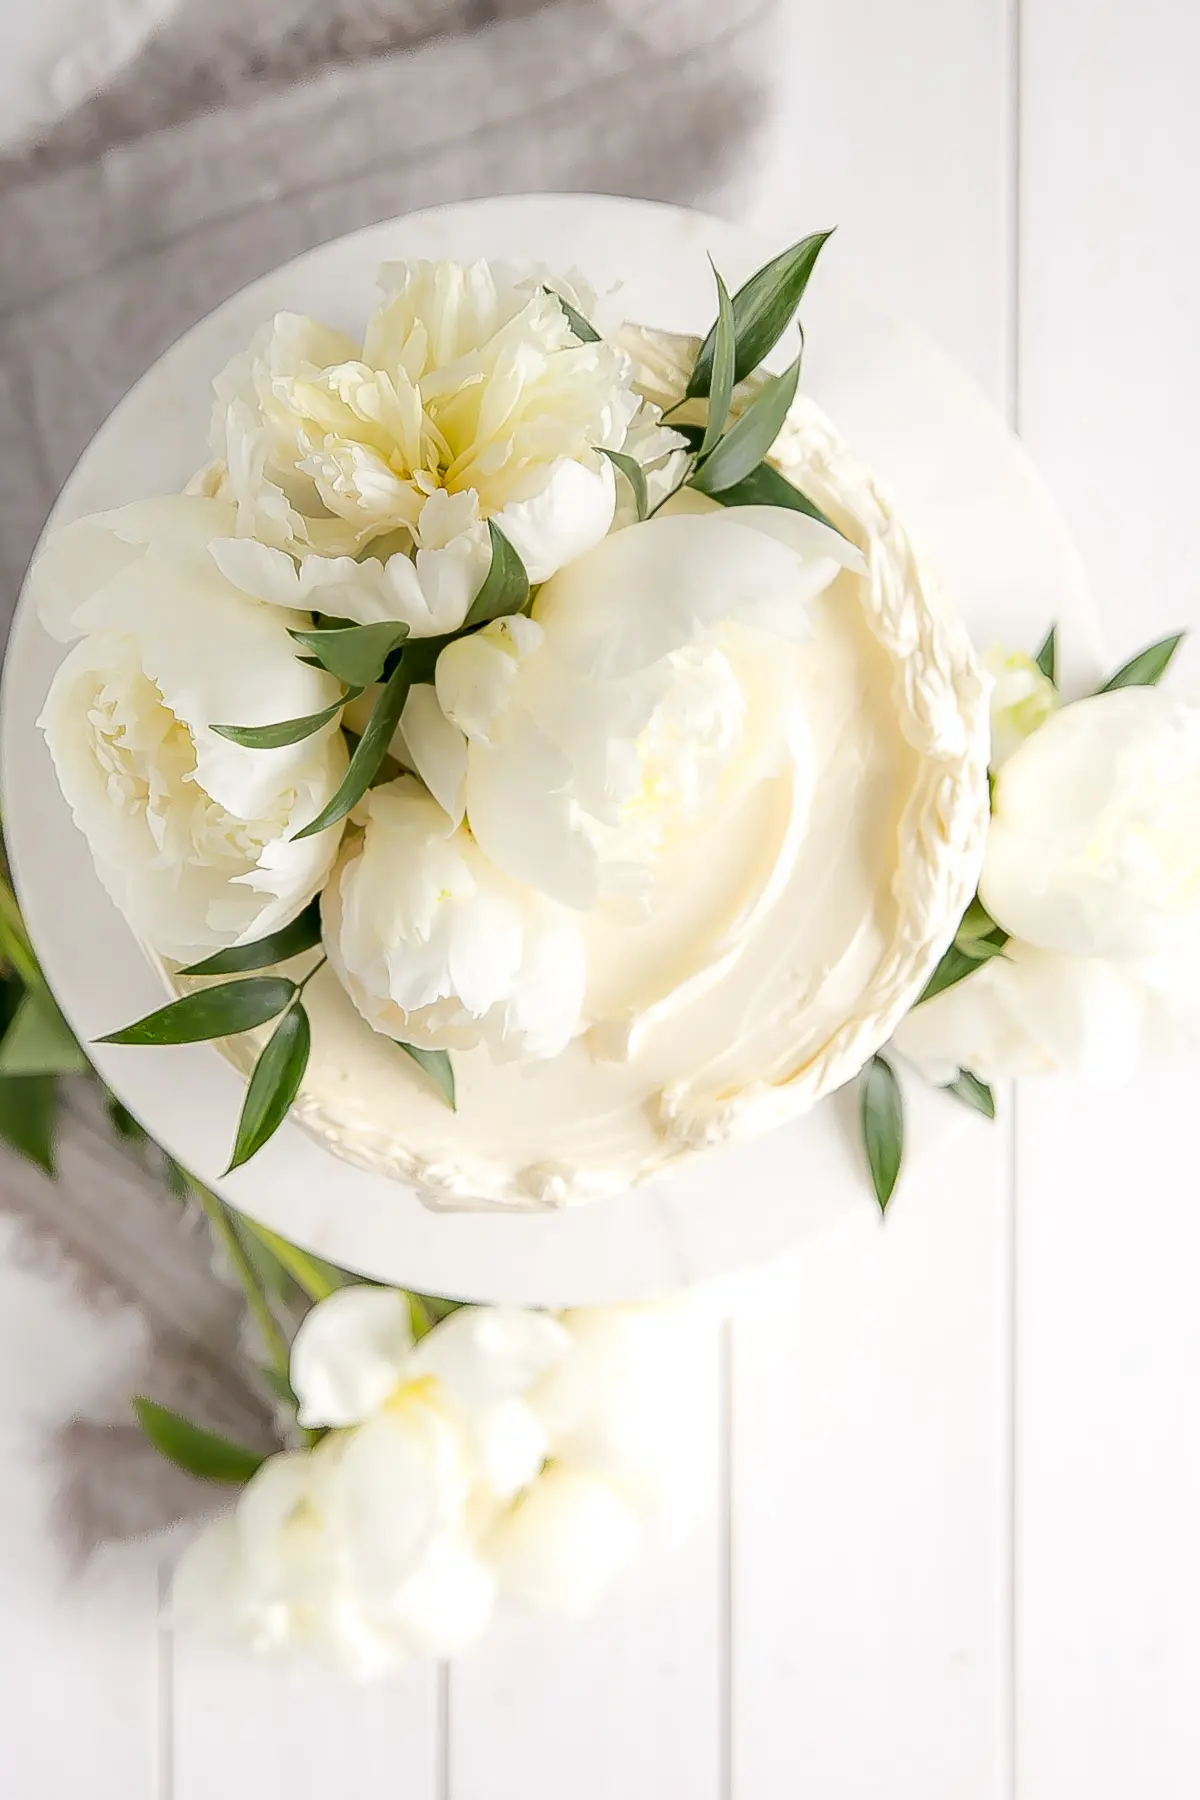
x=314 y=1277
x=256 y=1299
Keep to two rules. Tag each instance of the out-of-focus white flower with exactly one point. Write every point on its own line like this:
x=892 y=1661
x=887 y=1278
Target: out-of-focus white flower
x=192 y=835
x=470 y=382
x=506 y=1453
x=650 y=682
x=1094 y=843
x=1022 y=700
x=1031 y=1012
x=437 y=946
x=565 y=1541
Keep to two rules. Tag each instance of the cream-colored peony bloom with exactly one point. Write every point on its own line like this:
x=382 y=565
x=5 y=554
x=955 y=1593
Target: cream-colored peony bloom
x=1022 y=700
x=439 y=948
x=192 y=835
x=471 y=383
x=651 y=683
x=1094 y=844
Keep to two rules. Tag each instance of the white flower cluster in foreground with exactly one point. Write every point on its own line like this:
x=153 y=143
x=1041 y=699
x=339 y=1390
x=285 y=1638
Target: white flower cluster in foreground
x=506 y=1455
x=1092 y=866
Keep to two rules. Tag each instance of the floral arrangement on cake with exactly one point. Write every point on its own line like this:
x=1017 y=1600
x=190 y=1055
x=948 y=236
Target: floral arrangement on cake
x=423 y=667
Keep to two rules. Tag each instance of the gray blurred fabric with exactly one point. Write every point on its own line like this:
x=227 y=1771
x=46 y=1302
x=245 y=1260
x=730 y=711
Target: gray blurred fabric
x=244 y=135
x=241 y=136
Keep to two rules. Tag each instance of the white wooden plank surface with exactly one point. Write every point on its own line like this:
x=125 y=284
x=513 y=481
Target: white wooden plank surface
x=1108 y=1266
x=871 y=1645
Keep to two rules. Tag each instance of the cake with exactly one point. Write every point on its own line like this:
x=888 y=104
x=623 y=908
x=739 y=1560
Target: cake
x=789 y=795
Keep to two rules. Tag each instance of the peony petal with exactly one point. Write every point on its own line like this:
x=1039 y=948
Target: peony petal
x=653 y=588
x=438 y=749
x=475 y=674
x=446 y=1603
x=349 y=1355
x=484 y=1354
x=568 y=517
x=564 y=1542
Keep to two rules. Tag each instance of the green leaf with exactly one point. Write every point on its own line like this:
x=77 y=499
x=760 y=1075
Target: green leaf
x=749 y=437
x=585 y=332
x=273 y=1085
x=356 y=654
x=316 y=1277
x=15 y=946
x=289 y=731
x=635 y=475
x=765 y=486
x=27 y=1110
x=972 y=1092
x=506 y=588
x=438 y=1067
x=178 y=1179
x=960 y=961
x=882 y=1112
x=215 y=1012
x=304 y=933
x=123 y=1121
x=722 y=383
x=198 y=1452
x=1147 y=668
x=975 y=923
x=1047 y=657
x=762 y=310
x=370 y=751
x=39 y=1041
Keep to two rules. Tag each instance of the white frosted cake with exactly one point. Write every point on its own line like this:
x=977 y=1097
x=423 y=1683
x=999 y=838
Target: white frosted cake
x=662 y=853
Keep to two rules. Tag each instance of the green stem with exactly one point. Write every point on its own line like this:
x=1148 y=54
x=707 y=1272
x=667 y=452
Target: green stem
x=256 y=1299
x=301 y=985
x=14 y=940
x=316 y=1278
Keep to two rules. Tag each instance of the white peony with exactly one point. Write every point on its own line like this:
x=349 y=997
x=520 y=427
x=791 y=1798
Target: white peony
x=1094 y=844
x=507 y=1453
x=1031 y=1012
x=1022 y=700
x=469 y=383
x=438 y=947
x=192 y=835
x=577 y=742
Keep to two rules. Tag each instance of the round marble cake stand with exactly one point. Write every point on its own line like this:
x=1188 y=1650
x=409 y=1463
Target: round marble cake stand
x=965 y=488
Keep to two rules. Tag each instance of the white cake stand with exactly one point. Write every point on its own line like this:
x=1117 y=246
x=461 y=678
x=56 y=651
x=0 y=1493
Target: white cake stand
x=965 y=488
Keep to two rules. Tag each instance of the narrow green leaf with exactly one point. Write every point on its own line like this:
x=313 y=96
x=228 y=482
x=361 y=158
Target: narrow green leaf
x=762 y=310
x=960 y=961
x=316 y=1277
x=356 y=654
x=635 y=475
x=289 y=731
x=584 y=331
x=722 y=382
x=27 y=1111
x=765 y=486
x=198 y=1452
x=178 y=1179
x=15 y=946
x=123 y=1121
x=1147 y=668
x=438 y=1067
x=273 y=1085
x=39 y=1041
x=1047 y=657
x=882 y=1113
x=370 y=751
x=749 y=437
x=506 y=587
x=213 y=1013
x=304 y=933
x=972 y=1092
